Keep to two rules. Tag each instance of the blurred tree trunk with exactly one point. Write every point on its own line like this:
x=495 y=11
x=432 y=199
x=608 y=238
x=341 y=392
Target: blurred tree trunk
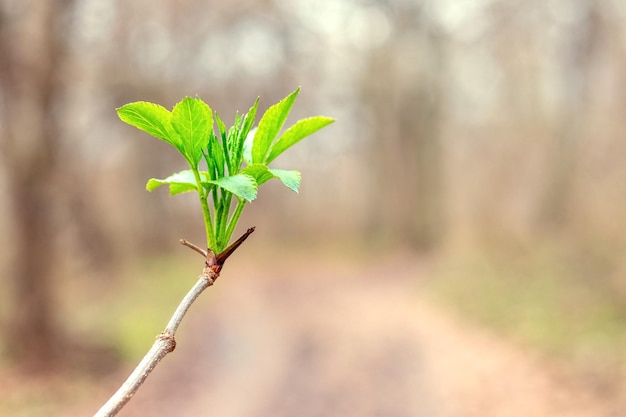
x=32 y=49
x=421 y=118
x=582 y=39
x=403 y=86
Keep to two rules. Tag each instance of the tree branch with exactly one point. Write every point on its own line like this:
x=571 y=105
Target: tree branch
x=222 y=256
x=165 y=342
x=193 y=247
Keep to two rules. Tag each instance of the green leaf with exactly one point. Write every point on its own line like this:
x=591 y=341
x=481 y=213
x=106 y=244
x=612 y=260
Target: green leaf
x=248 y=121
x=247 y=146
x=259 y=172
x=270 y=125
x=233 y=156
x=297 y=132
x=151 y=118
x=291 y=179
x=216 y=157
x=189 y=128
x=221 y=126
x=242 y=185
x=192 y=119
x=238 y=137
x=179 y=182
x=225 y=145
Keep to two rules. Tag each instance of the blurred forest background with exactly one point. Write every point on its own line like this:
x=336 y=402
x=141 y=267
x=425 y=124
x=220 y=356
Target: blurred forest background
x=484 y=136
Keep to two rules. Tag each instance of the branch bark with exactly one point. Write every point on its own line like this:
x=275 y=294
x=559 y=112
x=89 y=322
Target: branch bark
x=166 y=342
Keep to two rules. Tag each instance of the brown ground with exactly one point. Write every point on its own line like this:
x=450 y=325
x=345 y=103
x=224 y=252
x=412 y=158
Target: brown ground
x=346 y=341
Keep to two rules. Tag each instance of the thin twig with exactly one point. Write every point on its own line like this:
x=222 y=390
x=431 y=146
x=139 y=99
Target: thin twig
x=165 y=342
x=194 y=247
x=222 y=256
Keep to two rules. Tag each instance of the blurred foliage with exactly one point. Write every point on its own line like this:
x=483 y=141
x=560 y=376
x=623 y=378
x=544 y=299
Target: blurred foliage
x=133 y=308
x=537 y=295
x=459 y=121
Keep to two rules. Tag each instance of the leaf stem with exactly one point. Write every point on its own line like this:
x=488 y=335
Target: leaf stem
x=222 y=219
x=241 y=203
x=206 y=212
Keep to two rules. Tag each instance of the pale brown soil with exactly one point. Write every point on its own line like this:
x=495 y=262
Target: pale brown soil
x=311 y=340
x=329 y=338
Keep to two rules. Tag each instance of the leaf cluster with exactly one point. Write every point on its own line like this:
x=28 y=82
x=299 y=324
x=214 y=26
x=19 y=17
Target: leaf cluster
x=225 y=165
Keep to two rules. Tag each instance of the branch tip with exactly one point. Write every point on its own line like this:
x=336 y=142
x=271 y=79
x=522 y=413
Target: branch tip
x=222 y=256
x=193 y=247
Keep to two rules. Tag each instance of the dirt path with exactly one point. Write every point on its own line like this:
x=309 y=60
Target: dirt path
x=346 y=342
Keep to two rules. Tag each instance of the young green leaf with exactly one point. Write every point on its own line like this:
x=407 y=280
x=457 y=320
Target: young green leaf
x=151 y=118
x=192 y=119
x=291 y=179
x=242 y=185
x=259 y=172
x=225 y=145
x=221 y=126
x=248 y=122
x=247 y=146
x=216 y=157
x=179 y=182
x=230 y=143
x=189 y=128
x=269 y=127
x=237 y=138
x=297 y=132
